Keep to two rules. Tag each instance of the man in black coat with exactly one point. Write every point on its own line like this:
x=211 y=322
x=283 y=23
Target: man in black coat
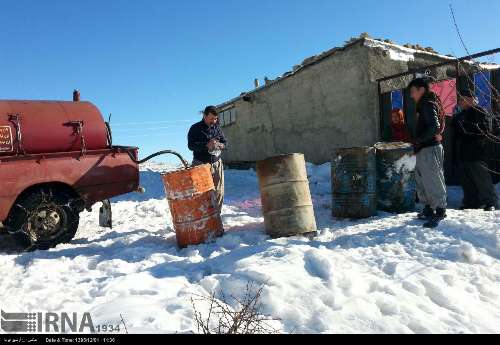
x=207 y=141
x=471 y=127
x=429 y=170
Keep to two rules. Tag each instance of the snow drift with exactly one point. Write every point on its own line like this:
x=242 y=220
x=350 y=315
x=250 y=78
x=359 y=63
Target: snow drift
x=382 y=275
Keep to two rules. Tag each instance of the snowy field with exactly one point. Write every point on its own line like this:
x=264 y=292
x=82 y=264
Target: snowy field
x=382 y=275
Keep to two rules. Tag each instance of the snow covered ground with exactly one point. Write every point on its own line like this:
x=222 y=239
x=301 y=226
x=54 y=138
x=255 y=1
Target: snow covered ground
x=382 y=275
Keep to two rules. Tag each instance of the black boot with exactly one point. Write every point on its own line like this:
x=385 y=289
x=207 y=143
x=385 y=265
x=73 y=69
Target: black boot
x=436 y=219
x=490 y=208
x=426 y=213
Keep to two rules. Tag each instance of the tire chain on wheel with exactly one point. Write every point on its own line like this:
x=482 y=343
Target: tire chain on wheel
x=19 y=232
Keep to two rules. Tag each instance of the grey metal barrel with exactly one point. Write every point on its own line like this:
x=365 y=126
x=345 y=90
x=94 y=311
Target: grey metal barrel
x=354 y=183
x=396 y=177
x=286 y=198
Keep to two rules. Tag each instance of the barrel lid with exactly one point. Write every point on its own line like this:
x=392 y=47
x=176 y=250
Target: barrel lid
x=282 y=156
x=183 y=170
x=353 y=149
x=392 y=146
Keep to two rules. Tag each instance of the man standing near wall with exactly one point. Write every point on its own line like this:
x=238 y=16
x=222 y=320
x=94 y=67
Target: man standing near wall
x=207 y=141
x=429 y=172
x=471 y=126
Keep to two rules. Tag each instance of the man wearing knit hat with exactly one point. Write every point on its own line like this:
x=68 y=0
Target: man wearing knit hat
x=471 y=127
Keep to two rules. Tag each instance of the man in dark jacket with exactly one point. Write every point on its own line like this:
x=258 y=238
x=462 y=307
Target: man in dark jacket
x=470 y=127
x=207 y=141
x=429 y=171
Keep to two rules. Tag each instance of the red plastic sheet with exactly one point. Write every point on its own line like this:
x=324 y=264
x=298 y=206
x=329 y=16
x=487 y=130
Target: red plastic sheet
x=447 y=92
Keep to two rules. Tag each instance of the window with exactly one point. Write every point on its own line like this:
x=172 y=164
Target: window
x=222 y=119
x=227 y=117
x=233 y=115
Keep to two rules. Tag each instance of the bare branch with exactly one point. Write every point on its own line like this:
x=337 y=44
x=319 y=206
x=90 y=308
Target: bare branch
x=458 y=30
x=223 y=319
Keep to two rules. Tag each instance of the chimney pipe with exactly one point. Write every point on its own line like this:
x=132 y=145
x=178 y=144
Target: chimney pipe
x=76 y=95
x=256 y=83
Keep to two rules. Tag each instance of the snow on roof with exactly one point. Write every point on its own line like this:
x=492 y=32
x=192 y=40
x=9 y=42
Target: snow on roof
x=487 y=66
x=401 y=53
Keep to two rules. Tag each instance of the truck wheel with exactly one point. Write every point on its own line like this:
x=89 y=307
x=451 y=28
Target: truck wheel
x=43 y=219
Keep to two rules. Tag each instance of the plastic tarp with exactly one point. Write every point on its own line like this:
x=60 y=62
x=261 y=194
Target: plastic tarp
x=447 y=92
x=482 y=82
x=397 y=99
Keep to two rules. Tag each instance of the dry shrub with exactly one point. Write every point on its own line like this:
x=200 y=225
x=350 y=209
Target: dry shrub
x=223 y=319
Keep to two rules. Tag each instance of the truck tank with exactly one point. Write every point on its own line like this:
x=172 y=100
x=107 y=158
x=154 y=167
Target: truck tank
x=34 y=127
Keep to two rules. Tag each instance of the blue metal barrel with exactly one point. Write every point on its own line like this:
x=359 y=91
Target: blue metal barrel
x=354 y=183
x=395 y=177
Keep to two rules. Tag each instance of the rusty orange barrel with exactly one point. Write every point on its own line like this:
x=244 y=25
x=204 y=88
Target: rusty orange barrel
x=193 y=205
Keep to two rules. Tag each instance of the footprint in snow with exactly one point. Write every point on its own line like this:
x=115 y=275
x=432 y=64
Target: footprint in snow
x=317 y=265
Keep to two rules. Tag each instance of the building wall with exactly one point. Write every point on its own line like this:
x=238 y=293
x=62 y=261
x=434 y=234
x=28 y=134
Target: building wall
x=333 y=103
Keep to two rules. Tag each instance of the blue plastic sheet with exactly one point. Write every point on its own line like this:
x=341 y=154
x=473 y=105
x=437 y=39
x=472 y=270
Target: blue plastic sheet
x=397 y=99
x=482 y=82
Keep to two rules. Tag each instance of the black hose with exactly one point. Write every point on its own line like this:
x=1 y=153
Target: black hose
x=109 y=134
x=164 y=152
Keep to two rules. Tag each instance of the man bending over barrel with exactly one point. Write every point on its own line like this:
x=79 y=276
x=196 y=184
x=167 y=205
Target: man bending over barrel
x=207 y=142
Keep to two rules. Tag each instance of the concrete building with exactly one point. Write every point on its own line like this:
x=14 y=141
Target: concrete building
x=329 y=101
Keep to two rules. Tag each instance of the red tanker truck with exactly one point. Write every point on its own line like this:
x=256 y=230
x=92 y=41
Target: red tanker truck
x=56 y=160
